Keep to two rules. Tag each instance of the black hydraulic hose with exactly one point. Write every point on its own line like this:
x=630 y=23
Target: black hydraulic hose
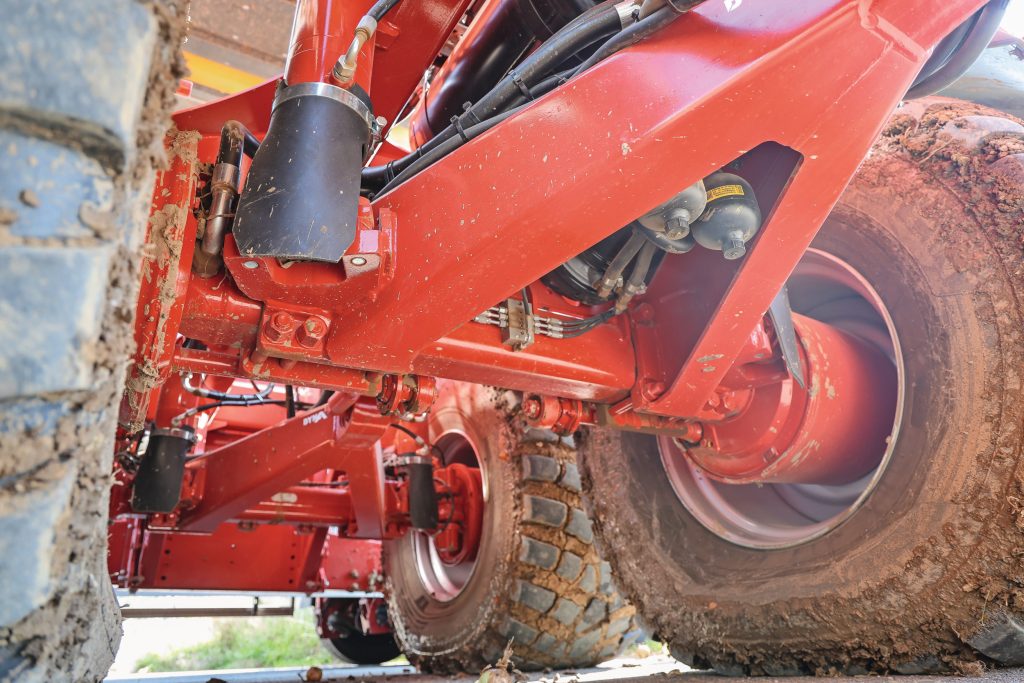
x=638 y=276
x=380 y=8
x=177 y=420
x=236 y=140
x=289 y=400
x=679 y=246
x=186 y=383
x=946 y=47
x=641 y=266
x=635 y=33
x=550 y=83
x=587 y=324
x=974 y=43
x=446 y=148
x=589 y=27
x=568 y=41
x=618 y=264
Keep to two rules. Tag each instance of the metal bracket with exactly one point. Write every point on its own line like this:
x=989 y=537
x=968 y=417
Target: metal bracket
x=781 y=316
x=519 y=328
x=519 y=332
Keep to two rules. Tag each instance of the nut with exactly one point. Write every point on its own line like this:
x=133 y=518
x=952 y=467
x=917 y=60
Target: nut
x=311 y=332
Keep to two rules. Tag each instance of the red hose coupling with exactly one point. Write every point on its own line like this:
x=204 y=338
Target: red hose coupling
x=406 y=396
x=563 y=416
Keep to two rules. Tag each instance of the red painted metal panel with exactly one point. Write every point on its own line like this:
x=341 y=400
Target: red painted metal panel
x=165 y=266
x=251 y=470
x=510 y=205
x=241 y=557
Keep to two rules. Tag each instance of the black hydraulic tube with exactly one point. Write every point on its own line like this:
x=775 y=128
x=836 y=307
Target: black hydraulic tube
x=618 y=264
x=235 y=140
x=496 y=39
x=590 y=26
x=977 y=39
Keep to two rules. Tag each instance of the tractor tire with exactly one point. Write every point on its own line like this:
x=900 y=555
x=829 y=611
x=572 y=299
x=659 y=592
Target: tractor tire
x=363 y=650
x=926 y=574
x=81 y=131
x=538 y=579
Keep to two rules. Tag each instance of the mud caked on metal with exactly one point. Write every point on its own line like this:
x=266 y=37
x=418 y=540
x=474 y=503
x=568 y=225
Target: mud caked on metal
x=301 y=196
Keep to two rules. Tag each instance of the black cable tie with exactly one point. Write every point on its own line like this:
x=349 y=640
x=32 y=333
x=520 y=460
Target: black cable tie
x=468 y=108
x=518 y=80
x=389 y=172
x=458 y=127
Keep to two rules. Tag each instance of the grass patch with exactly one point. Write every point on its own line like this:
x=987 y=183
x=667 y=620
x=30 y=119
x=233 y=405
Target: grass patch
x=247 y=644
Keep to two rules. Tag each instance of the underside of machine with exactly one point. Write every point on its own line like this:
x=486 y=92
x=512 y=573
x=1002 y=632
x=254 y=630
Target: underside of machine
x=603 y=211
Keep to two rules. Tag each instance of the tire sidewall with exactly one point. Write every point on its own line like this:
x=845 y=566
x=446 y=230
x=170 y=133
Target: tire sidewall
x=425 y=625
x=899 y=541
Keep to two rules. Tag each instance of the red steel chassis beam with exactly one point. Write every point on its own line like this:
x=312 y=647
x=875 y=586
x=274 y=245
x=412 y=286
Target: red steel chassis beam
x=816 y=78
x=799 y=90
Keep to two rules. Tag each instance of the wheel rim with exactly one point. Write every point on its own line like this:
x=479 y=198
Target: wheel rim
x=768 y=516
x=444 y=581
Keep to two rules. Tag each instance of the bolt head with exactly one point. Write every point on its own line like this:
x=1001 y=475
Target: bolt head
x=532 y=407
x=251 y=265
x=282 y=320
x=734 y=249
x=652 y=389
x=312 y=331
x=676 y=228
x=358 y=261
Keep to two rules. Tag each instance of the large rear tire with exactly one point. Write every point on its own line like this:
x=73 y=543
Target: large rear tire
x=81 y=124
x=924 y=573
x=537 y=577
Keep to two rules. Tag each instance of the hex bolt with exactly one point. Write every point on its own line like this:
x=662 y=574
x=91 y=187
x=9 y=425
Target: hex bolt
x=734 y=248
x=280 y=325
x=643 y=313
x=652 y=389
x=677 y=226
x=311 y=332
x=532 y=407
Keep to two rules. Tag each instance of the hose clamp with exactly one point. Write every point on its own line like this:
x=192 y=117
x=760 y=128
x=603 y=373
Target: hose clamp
x=329 y=91
x=183 y=432
x=627 y=12
x=225 y=176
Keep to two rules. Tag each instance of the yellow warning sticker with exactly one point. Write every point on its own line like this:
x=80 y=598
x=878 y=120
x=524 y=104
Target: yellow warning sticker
x=725 y=191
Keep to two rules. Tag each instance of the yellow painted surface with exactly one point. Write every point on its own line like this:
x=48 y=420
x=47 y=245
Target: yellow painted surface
x=217 y=76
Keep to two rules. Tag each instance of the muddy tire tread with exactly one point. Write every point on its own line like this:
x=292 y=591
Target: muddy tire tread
x=563 y=610
x=976 y=155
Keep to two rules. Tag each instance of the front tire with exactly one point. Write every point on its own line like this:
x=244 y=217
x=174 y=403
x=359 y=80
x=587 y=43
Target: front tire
x=924 y=574
x=79 y=141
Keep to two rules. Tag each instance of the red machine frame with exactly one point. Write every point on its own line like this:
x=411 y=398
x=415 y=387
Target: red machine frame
x=794 y=92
